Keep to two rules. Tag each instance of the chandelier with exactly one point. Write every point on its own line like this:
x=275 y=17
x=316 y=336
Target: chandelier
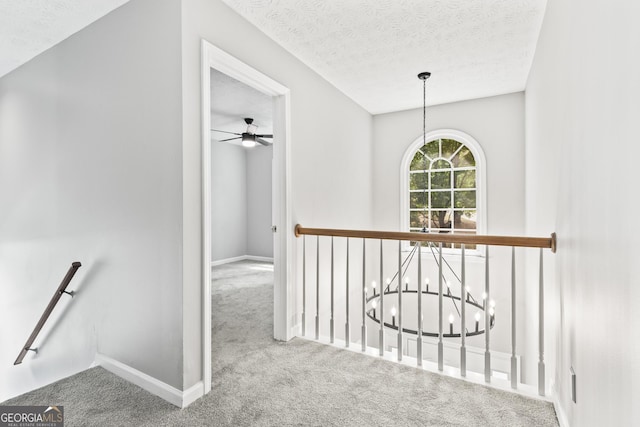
x=421 y=294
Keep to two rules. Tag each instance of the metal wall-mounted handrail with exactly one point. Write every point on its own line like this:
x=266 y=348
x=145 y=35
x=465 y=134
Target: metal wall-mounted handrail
x=62 y=289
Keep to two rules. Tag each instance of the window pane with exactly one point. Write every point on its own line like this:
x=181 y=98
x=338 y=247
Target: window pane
x=418 y=162
x=465 y=198
x=441 y=219
x=464 y=220
x=465 y=179
x=418 y=200
x=463 y=158
x=417 y=181
x=440 y=179
x=441 y=199
x=449 y=146
x=441 y=164
x=432 y=149
x=417 y=219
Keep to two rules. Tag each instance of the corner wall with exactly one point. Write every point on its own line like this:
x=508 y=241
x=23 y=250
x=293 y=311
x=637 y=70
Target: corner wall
x=259 y=202
x=91 y=171
x=229 y=196
x=582 y=109
x=241 y=193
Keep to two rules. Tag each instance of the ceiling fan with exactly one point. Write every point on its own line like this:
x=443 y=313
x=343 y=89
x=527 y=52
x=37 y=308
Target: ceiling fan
x=248 y=138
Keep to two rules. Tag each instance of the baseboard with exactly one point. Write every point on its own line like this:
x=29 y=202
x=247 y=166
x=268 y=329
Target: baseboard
x=560 y=414
x=259 y=258
x=179 y=398
x=228 y=260
x=241 y=258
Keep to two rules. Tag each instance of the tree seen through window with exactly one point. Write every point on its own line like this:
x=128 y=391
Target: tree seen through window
x=442 y=188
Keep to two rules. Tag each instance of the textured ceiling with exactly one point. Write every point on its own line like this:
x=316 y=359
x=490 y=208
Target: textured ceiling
x=232 y=101
x=372 y=50
x=29 y=27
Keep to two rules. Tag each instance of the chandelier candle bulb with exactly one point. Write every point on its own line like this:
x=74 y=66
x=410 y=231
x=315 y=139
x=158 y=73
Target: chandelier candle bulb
x=373 y=285
x=393 y=316
x=451 y=319
x=477 y=320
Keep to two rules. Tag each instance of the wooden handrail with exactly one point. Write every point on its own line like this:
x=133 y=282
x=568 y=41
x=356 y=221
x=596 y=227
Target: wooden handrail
x=467 y=239
x=47 y=311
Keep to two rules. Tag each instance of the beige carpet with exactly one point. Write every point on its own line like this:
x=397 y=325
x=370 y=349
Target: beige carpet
x=260 y=382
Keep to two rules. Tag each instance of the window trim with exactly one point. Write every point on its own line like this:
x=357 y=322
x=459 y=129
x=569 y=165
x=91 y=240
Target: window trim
x=481 y=177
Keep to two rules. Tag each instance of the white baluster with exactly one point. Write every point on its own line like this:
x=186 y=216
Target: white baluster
x=440 y=278
x=419 y=339
x=364 y=296
x=381 y=332
x=317 y=287
x=347 y=327
x=541 y=382
x=331 y=329
x=514 y=361
x=463 y=320
x=399 y=300
x=487 y=321
x=304 y=285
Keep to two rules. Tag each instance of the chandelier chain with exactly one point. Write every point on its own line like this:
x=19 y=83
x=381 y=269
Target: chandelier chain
x=424 y=155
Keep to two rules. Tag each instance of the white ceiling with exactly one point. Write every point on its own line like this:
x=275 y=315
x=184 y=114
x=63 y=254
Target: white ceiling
x=29 y=27
x=232 y=101
x=372 y=50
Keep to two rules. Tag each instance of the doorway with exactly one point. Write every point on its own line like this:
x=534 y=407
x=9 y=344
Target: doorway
x=241 y=172
x=284 y=322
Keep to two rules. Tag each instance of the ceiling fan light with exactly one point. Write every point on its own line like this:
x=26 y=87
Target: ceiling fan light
x=248 y=140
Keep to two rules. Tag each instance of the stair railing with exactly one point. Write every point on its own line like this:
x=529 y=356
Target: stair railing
x=434 y=241
x=62 y=289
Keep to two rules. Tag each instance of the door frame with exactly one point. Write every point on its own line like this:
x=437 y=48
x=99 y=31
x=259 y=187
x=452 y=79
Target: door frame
x=284 y=292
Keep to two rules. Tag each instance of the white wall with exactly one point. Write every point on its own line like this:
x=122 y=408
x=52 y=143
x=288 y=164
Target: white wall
x=240 y=201
x=259 y=194
x=228 y=201
x=497 y=123
x=90 y=171
x=330 y=145
x=582 y=109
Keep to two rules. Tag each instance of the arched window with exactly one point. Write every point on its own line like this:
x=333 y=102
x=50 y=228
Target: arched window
x=443 y=185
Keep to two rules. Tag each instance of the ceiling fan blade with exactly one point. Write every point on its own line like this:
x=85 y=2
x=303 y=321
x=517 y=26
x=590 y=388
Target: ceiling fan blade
x=264 y=136
x=263 y=142
x=224 y=131
x=230 y=139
